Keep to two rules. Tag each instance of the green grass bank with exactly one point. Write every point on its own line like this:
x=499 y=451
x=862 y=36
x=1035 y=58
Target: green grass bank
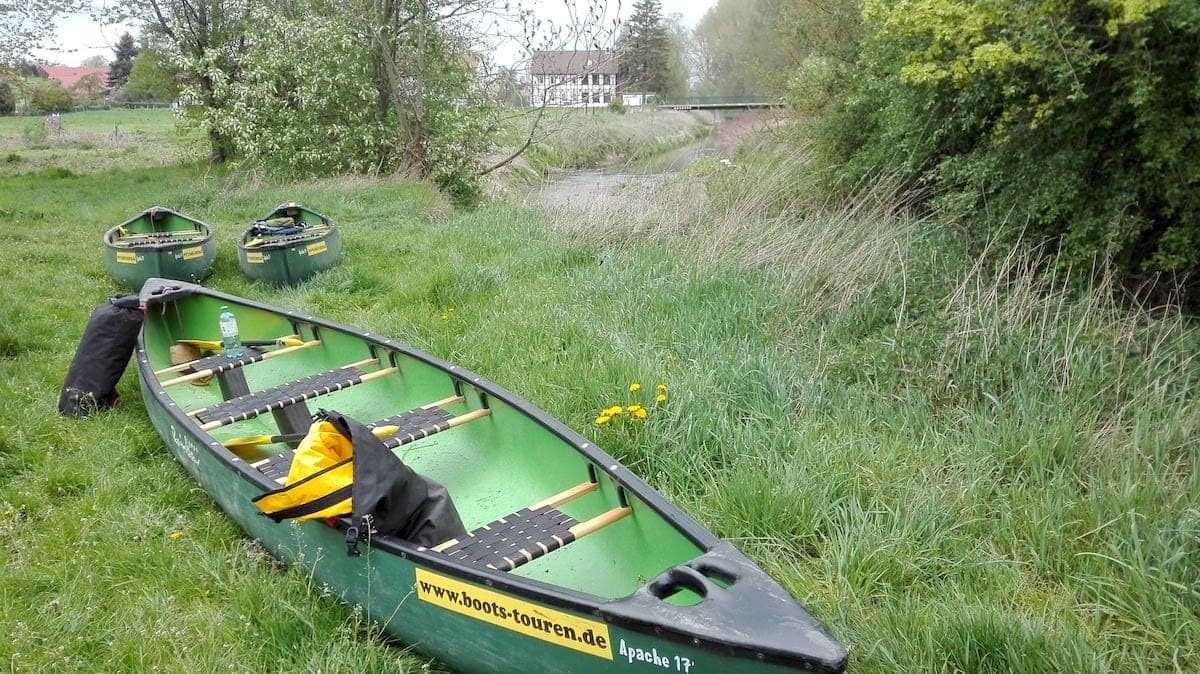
x=957 y=464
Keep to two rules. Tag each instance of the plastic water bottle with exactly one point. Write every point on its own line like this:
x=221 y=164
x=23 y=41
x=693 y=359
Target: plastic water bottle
x=231 y=342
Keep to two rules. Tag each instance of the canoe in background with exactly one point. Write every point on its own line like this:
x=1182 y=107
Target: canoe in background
x=571 y=564
x=288 y=245
x=159 y=242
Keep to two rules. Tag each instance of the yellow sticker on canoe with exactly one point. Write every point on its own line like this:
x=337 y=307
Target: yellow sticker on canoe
x=318 y=247
x=126 y=257
x=192 y=253
x=539 y=622
x=254 y=258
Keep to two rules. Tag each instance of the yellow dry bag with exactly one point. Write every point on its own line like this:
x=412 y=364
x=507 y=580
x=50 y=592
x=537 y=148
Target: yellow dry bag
x=320 y=480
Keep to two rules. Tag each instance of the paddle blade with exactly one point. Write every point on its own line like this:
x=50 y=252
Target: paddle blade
x=235 y=444
x=250 y=441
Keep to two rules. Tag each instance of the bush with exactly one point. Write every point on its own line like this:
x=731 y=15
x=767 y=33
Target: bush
x=1073 y=122
x=618 y=106
x=50 y=97
x=8 y=99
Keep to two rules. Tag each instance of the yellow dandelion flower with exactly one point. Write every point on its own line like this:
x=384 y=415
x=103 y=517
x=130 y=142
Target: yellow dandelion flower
x=614 y=410
x=176 y=535
x=640 y=413
x=444 y=317
x=661 y=388
x=634 y=409
x=9 y=512
x=603 y=419
x=635 y=387
x=660 y=398
x=450 y=310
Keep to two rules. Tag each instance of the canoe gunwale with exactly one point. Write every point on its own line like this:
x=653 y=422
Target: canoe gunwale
x=634 y=612
x=200 y=226
x=622 y=476
x=325 y=220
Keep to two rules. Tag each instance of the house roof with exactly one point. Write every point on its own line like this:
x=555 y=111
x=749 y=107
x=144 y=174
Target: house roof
x=69 y=76
x=574 y=62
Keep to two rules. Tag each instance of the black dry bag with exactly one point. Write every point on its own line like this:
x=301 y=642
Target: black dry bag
x=101 y=358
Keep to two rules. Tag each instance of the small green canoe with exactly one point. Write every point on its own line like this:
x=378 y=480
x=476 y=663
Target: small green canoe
x=288 y=245
x=159 y=242
x=568 y=561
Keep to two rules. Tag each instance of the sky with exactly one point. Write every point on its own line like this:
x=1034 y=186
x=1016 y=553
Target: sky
x=78 y=37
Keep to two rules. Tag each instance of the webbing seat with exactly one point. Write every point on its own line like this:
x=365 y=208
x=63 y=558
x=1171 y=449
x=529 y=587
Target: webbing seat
x=515 y=539
x=529 y=533
x=219 y=362
x=412 y=425
x=253 y=404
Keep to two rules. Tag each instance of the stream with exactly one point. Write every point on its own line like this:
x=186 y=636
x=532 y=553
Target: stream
x=579 y=189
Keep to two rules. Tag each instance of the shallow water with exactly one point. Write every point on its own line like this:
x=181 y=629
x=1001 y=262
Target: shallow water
x=586 y=188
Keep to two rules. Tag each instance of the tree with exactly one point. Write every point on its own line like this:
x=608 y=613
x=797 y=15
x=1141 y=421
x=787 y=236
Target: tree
x=678 y=73
x=8 y=98
x=27 y=24
x=90 y=88
x=205 y=39
x=152 y=77
x=95 y=61
x=125 y=52
x=644 y=50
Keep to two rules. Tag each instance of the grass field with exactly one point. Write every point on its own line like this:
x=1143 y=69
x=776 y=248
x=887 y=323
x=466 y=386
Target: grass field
x=959 y=466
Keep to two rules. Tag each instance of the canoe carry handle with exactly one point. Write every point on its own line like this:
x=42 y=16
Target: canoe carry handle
x=704 y=577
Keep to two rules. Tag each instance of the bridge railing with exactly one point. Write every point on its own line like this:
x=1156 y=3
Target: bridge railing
x=716 y=100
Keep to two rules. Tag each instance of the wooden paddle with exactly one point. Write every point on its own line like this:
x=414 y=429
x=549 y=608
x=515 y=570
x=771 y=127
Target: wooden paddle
x=235 y=444
x=258 y=240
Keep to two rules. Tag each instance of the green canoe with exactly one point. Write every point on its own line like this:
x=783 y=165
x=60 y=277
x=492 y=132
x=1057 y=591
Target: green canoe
x=288 y=245
x=571 y=564
x=159 y=243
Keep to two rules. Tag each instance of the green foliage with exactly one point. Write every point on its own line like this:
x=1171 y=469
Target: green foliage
x=8 y=98
x=647 y=60
x=748 y=47
x=125 y=52
x=1077 y=122
x=49 y=96
x=152 y=77
x=304 y=102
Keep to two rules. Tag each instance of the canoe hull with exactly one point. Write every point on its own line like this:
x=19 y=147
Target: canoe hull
x=293 y=259
x=470 y=627
x=131 y=265
x=481 y=620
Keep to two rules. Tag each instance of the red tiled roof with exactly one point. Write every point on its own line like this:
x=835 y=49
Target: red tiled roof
x=69 y=76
